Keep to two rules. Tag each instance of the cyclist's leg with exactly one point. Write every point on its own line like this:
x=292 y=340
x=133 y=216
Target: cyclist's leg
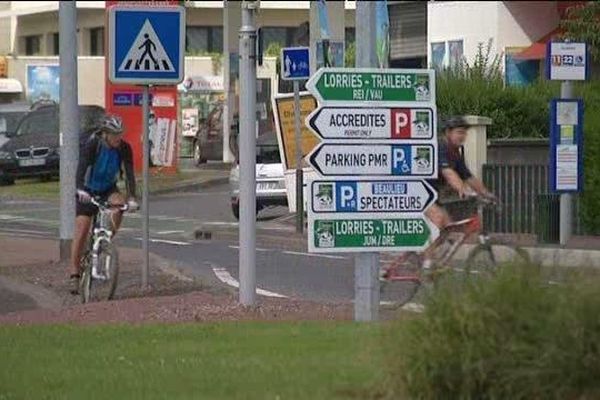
x=440 y=218
x=116 y=198
x=83 y=221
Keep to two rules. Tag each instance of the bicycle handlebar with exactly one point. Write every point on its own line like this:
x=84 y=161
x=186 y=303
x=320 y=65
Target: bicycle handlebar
x=106 y=205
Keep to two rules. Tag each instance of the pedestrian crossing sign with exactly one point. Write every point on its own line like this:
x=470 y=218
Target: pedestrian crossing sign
x=146 y=45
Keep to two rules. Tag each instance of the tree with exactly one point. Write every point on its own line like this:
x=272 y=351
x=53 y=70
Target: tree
x=583 y=24
x=350 y=56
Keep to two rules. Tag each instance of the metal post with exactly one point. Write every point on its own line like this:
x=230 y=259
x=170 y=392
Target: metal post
x=299 y=174
x=366 y=267
x=146 y=182
x=566 y=199
x=247 y=149
x=69 y=122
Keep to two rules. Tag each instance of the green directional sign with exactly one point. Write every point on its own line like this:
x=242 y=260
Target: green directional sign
x=371 y=234
x=338 y=85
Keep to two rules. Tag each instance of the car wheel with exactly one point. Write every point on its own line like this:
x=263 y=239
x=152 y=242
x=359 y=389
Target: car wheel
x=235 y=208
x=198 y=156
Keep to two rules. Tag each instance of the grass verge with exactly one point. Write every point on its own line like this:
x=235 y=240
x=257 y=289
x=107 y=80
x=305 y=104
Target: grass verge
x=207 y=361
x=36 y=189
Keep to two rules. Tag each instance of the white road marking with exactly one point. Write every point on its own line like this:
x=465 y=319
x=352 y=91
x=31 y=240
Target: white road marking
x=257 y=249
x=7 y=217
x=222 y=223
x=168 y=232
x=297 y=253
x=167 y=242
x=26 y=231
x=224 y=276
x=414 y=307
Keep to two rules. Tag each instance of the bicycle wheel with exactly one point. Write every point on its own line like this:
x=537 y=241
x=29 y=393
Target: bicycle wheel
x=480 y=262
x=85 y=282
x=401 y=281
x=102 y=286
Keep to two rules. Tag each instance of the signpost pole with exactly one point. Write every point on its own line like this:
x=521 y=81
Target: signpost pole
x=366 y=265
x=566 y=199
x=69 y=124
x=146 y=181
x=299 y=175
x=247 y=140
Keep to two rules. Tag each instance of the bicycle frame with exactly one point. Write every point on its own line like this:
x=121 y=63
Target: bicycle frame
x=101 y=232
x=467 y=228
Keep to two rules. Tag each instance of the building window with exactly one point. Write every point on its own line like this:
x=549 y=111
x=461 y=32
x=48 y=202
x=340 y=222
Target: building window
x=280 y=34
x=349 y=36
x=202 y=39
x=32 y=45
x=55 y=44
x=97 y=41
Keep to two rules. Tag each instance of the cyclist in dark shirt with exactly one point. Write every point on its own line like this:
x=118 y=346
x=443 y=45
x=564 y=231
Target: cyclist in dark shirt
x=454 y=177
x=101 y=161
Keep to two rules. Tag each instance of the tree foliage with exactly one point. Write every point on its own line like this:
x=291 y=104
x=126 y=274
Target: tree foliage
x=583 y=24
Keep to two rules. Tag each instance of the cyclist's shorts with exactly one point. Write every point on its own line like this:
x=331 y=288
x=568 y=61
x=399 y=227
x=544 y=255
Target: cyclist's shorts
x=90 y=210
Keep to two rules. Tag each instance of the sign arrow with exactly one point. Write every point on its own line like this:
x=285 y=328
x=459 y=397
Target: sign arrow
x=377 y=196
x=372 y=86
x=370 y=232
x=350 y=159
x=372 y=123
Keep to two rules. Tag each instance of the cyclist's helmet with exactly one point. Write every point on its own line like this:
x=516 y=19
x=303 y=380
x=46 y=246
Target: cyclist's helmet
x=112 y=124
x=455 y=122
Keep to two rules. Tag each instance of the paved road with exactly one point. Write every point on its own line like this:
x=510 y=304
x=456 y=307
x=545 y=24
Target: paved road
x=173 y=219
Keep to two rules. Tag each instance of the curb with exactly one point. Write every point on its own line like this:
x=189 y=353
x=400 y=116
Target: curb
x=191 y=185
x=544 y=256
x=43 y=298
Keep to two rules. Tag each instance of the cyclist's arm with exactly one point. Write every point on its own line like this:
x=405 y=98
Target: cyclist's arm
x=87 y=153
x=454 y=181
x=478 y=186
x=129 y=174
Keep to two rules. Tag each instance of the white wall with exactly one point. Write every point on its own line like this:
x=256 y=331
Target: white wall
x=471 y=21
x=524 y=22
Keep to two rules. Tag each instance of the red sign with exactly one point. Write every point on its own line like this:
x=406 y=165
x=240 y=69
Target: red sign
x=126 y=101
x=401 y=123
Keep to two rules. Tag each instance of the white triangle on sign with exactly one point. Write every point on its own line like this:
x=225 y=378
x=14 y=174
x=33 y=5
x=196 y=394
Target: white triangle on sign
x=147 y=53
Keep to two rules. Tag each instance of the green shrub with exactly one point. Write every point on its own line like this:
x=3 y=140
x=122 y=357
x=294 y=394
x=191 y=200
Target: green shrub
x=478 y=89
x=509 y=338
x=590 y=198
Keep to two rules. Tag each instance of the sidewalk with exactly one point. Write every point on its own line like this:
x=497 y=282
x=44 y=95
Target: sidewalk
x=31 y=276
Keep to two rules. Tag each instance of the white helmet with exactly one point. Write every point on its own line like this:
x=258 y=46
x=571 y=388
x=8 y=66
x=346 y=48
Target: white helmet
x=112 y=124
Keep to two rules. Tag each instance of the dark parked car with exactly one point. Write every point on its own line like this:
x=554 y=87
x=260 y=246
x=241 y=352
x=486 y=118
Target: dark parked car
x=10 y=115
x=33 y=150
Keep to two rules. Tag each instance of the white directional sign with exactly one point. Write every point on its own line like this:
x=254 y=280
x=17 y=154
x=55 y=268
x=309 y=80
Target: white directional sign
x=376 y=196
x=372 y=123
x=146 y=45
x=333 y=159
x=379 y=131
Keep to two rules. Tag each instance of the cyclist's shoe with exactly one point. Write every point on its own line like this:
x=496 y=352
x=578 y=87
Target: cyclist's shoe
x=74 y=284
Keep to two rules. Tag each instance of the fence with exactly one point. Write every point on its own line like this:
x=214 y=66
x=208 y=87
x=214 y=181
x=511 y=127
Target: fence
x=522 y=189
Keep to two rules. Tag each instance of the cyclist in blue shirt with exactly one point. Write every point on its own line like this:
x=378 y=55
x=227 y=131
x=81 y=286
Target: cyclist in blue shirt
x=102 y=160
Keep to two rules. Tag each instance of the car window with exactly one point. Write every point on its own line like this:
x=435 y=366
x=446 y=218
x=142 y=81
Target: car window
x=267 y=155
x=37 y=123
x=10 y=120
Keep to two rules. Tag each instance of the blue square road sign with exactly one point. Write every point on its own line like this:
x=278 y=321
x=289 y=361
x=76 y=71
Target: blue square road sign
x=295 y=63
x=146 y=45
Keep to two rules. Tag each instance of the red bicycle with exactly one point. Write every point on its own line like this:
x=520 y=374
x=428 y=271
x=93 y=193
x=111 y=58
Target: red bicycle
x=403 y=274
